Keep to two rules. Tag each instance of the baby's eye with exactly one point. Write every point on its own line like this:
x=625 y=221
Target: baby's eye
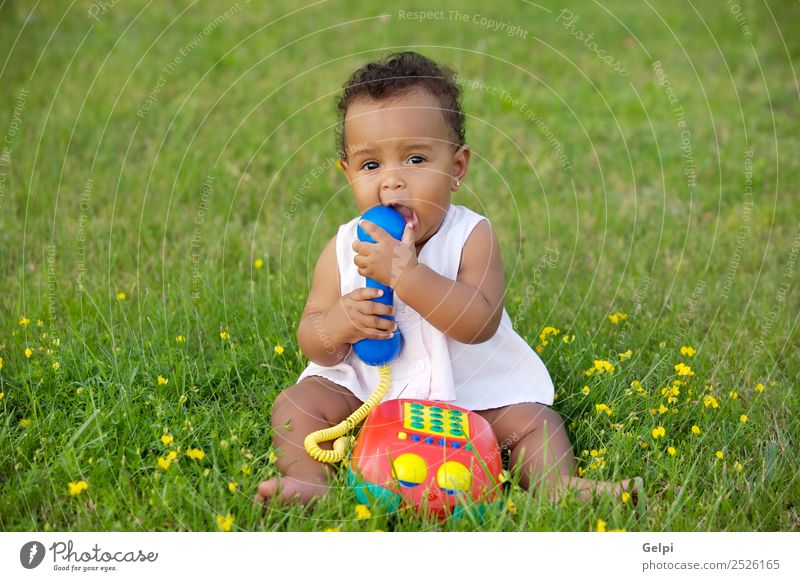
x=418 y=157
x=364 y=166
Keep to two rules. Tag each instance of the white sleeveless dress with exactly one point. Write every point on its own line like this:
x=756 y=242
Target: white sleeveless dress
x=501 y=371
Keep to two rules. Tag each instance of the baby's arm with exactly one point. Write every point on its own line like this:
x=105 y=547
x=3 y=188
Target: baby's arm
x=468 y=309
x=312 y=337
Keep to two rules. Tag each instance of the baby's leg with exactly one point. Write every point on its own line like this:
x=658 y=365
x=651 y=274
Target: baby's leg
x=313 y=404
x=540 y=447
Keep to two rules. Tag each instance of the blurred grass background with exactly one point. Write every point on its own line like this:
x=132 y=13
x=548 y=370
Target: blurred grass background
x=161 y=151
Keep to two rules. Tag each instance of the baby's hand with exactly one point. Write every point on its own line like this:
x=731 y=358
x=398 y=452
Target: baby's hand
x=387 y=259
x=354 y=317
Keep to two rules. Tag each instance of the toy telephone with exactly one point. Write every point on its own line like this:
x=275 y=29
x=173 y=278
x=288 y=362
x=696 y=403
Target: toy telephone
x=424 y=454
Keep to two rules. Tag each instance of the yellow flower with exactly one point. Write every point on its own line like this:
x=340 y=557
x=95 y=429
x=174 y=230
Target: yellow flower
x=362 y=512
x=659 y=432
x=56 y=365
x=24 y=321
x=331 y=530
x=644 y=444
x=180 y=339
x=568 y=338
x=28 y=353
x=166 y=439
x=232 y=486
x=245 y=469
x=581 y=471
x=195 y=453
x=617 y=317
x=743 y=418
x=601 y=407
x=120 y=296
x=511 y=507
x=601 y=525
x=162 y=380
x=671 y=451
x=548 y=332
x=223 y=335
x=688 y=351
x=224 y=522
x=710 y=401
x=759 y=388
x=279 y=350
x=601 y=365
x=258 y=263
x=24 y=422
x=696 y=430
x=75 y=488
x=625 y=497
x=273 y=457
x=626 y=355
x=737 y=466
x=719 y=454
x=1 y=363
x=683 y=369
x=734 y=395
x=2 y=395
x=163 y=462
x=585 y=390
x=662 y=409
x=172 y=455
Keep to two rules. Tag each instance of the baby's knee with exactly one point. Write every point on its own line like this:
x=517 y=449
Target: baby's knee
x=311 y=400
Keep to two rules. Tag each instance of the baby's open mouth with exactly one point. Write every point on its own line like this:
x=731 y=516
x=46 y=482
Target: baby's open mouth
x=409 y=214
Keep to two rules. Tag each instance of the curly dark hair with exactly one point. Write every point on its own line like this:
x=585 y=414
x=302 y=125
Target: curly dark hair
x=396 y=74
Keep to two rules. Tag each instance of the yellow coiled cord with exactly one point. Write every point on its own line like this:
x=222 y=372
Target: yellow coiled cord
x=340 y=430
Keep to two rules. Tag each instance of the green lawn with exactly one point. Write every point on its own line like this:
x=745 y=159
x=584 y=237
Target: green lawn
x=649 y=170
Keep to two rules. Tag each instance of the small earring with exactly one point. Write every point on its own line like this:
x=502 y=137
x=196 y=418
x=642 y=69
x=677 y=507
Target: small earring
x=458 y=183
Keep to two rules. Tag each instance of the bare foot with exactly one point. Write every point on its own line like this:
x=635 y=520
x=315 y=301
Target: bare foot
x=292 y=490
x=631 y=486
x=587 y=489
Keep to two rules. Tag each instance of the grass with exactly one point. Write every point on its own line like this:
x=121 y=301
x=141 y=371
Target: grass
x=229 y=162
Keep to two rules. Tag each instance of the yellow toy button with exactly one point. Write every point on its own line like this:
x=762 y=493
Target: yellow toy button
x=409 y=469
x=402 y=435
x=454 y=476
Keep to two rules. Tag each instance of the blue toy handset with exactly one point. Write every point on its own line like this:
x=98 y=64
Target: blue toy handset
x=381 y=351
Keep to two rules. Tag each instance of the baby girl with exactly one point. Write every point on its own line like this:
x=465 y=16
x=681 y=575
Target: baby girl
x=401 y=144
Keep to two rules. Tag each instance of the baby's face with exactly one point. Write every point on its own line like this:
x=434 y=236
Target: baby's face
x=400 y=152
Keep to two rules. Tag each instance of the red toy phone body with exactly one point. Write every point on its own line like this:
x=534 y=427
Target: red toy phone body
x=426 y=454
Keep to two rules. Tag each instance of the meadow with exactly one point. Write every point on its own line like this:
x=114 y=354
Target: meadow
x=168 y=180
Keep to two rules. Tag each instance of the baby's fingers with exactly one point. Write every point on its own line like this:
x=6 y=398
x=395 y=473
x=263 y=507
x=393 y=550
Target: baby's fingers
x=365 y=294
